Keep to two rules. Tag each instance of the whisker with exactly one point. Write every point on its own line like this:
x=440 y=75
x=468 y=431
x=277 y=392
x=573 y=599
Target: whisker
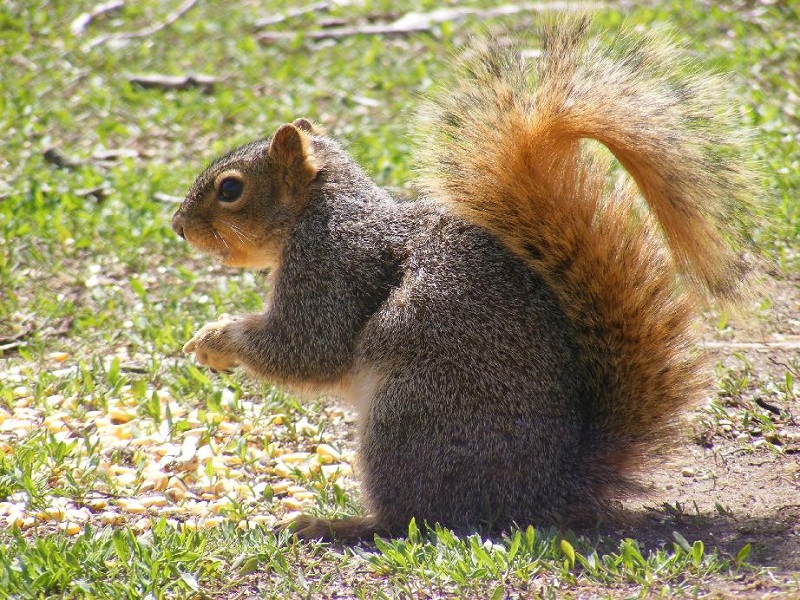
x=237 y=233
x=219 y=236
x=243 y=236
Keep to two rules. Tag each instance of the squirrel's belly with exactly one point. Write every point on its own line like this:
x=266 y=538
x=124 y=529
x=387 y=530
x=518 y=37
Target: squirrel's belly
x=359 y=388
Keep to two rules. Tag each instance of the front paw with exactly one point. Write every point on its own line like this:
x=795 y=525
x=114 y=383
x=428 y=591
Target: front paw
x=213 y=345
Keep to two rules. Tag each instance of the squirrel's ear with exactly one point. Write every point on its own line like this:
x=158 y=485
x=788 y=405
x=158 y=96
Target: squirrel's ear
x=308 y=126
x=292 y=152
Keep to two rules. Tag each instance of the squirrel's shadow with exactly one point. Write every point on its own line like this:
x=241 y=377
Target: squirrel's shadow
x=774 y=539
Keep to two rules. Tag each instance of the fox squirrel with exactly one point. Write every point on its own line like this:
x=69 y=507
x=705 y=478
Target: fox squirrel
x=518 y=341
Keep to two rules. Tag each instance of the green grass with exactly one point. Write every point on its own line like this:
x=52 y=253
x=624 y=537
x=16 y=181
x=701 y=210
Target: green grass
x=491 y=568
x=97 y=296
x=119 y=564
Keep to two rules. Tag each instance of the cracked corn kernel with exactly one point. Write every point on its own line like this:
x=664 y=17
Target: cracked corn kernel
x=328 y=453
x=110 y=517
x=211 y=522
x=120 y=414
x=70 y=527
x=131 y=506
x=292 y=503
x=156 y=501
x=142 y=524
x=52 y=513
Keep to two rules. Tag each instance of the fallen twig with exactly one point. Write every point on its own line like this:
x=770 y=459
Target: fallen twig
x=99 y=193
x=167 y=198
x=110 y=155
x=291 y=14
x=419 y=22
x=11 y=346
x=148 y=31
x=180 y=82
x=55 y=157
x=12 y=339
x=79 y=25
x=784 y=345
x=768 y=407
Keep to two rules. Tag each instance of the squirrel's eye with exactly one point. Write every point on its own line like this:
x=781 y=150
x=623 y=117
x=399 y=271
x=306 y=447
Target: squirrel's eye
x=230 y=189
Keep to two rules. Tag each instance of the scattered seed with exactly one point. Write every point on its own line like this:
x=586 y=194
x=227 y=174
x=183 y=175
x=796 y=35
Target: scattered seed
x=70 y=528
x=19 y=427
x=110 y=517
x=303 y=427
x=97 y=503
x=292 y=503
x=188 y=450
x=78 y=515
x=155 y=481
x=282 y=470
x=218 y=506
x=336 y=471
x=204 y=453
x=119 y=414
x=142 y=524
x=199 y=508
x=131 y=506
x=15 y=518
x=21 y=391
x=228 y=428
x=154 y=501
x=304 y=496
x=54 y=424
x=175 y=494
x=52 y=513
x=295 y=458
x=213 y=522
x=328 y=454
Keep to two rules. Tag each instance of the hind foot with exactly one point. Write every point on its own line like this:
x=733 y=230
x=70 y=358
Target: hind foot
x=349 y=530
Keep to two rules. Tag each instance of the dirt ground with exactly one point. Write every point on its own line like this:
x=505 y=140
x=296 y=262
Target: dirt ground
x=733 y=482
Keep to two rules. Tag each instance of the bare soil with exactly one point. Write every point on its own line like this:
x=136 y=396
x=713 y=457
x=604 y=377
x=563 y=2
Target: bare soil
x=731 y=485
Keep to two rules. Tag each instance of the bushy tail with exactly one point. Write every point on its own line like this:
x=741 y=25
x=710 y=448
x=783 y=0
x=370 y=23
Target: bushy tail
x=504 y=149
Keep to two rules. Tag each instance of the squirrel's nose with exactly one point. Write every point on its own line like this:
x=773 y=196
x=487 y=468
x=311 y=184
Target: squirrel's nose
x=177 y=224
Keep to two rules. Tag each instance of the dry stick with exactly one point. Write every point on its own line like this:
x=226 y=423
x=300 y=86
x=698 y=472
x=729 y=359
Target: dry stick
x=147 y=32
x=167 y=198
x=291 y=14
x=419 y=22
x=79 y=25
x=54 y=156
x=785 y=345
x=180 y=82
x=14 y=338
x=12 y=345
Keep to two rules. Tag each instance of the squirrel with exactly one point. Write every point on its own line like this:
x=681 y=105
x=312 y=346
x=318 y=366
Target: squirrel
x=519 y=340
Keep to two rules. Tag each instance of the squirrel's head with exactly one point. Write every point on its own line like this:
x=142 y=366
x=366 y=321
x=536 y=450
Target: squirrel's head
x=242 y=206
